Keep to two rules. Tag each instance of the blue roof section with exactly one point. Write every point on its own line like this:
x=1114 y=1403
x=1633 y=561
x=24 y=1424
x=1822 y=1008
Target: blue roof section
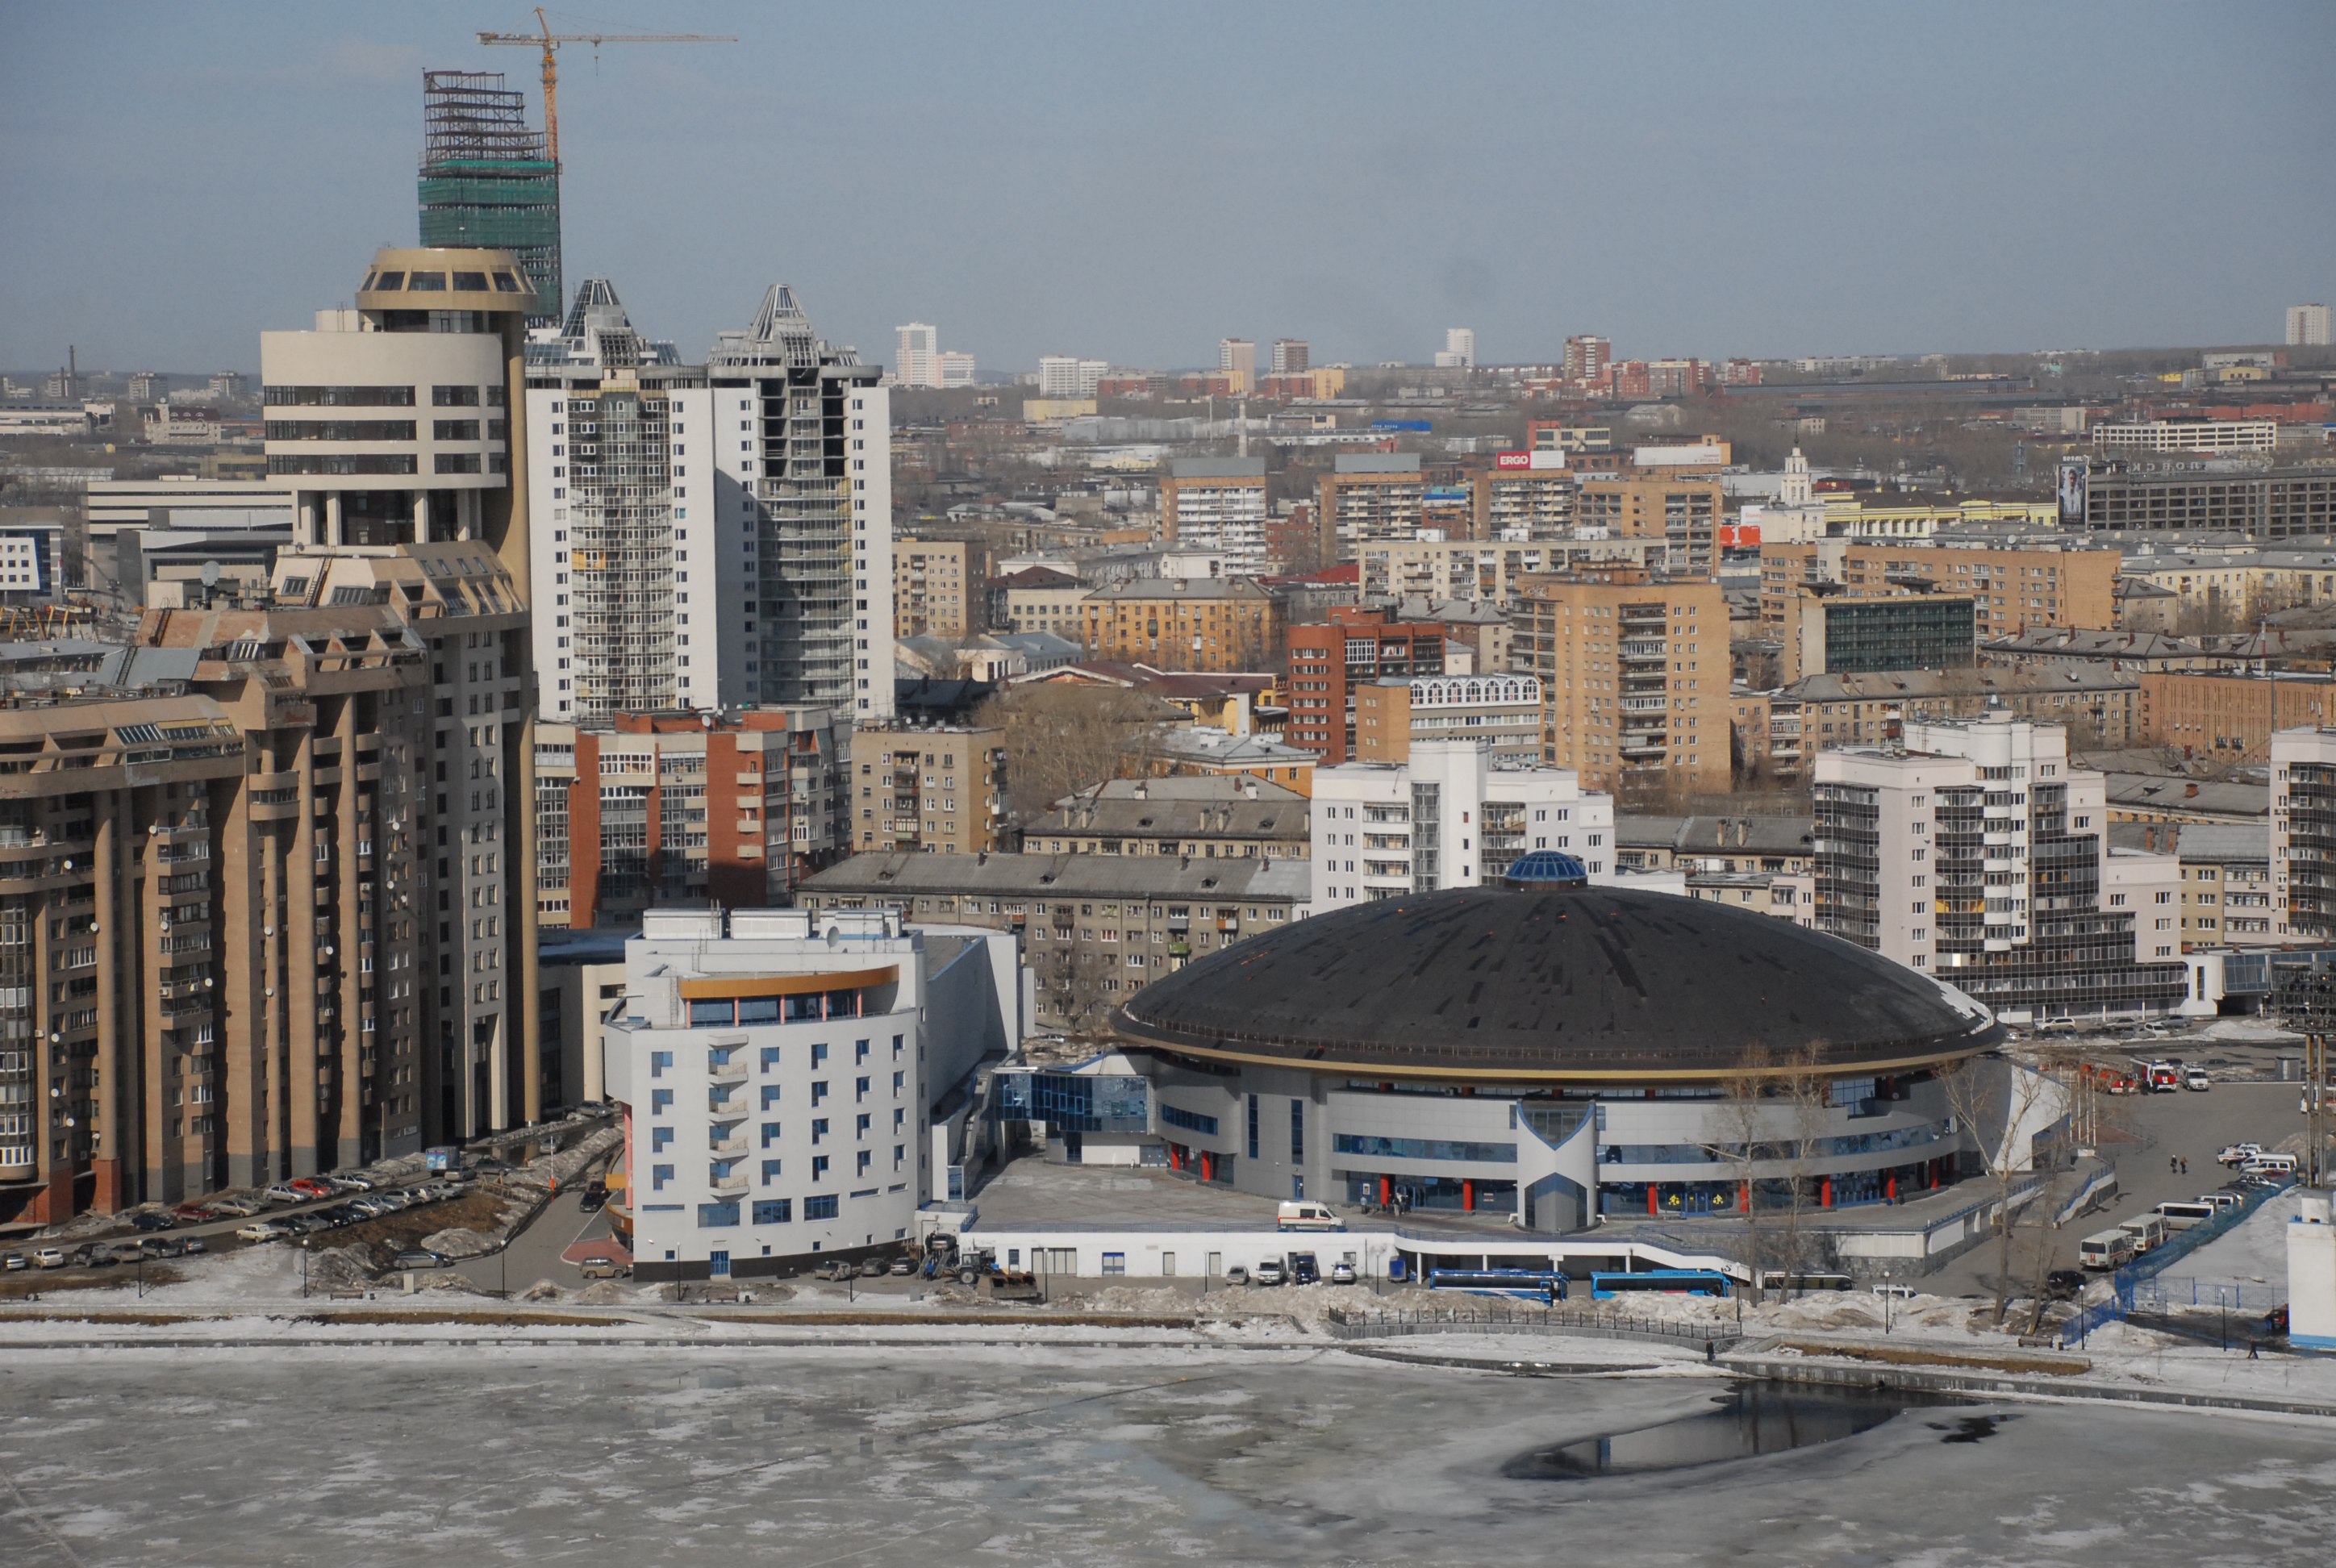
x=1546 y=868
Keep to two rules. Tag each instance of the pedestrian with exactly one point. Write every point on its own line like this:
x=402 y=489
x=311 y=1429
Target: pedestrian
x=2255 y=1351
x=1711 y=1352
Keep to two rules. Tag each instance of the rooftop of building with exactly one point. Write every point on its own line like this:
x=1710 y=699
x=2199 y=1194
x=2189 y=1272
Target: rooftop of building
x=1771 y=835
x=1226 y=813
x=1038 y=577
x=2197 y=842
x=2153 y=792
x=1205 y=744
x=1892 y=685
x=2094 y=644
x=1179 y=588
x=1581 y=983
x=1289 y=882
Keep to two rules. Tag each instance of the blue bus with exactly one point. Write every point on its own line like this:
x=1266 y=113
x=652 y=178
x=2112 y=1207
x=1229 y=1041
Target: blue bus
x=1604 y=1287
x=1540 y=1284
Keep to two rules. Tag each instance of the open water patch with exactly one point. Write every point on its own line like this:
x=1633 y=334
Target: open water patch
x=1749 y=1420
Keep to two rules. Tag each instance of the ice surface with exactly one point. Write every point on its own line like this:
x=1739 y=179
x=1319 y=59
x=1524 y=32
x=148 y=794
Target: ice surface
x=1031 y=1456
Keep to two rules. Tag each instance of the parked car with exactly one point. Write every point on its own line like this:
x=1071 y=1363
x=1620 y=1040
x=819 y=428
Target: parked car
x=1342 y=1274
x=351 y=1183
x=370 y=1208
x=153 y=1220
x=2196 y=1078
x=837 y=1269
x=161 y=1247
x=601 y=1268
x=92 y=1255
x=15 y=1262
x=2275 y=1320
x=48 y=1258
x=286 y=1192
x=595 y=1199
x=193 y=1245
x=312 y=1187
x=240 y=1207
x=2238 y=1154
x=1236 y=1275
x=902 y=1266
x=1269 y=1273
x=419 y=1258
x=873 y=1268
x=1303 y=1270
x=1891 y=1288
x=2064 y=1284
x=261 y=1231
x=194 y=1213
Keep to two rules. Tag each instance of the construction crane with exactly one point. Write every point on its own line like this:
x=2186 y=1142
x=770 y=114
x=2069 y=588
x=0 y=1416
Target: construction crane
x=550 y=42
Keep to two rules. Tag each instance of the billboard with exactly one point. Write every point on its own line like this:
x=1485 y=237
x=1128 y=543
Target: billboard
x=1540 y=457
x=2076 y=474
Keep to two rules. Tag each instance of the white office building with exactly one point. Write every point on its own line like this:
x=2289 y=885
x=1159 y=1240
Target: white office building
x=791 y=1078
x=1459 y=351
x=2308 y=327
x=1448 y=818
x=916 y=356
x=957 y=369
x=708 y=534
x=1062 y=375
x=1975 y=852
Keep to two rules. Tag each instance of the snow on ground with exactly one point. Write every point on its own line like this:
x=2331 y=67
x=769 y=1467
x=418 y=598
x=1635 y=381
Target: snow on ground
x=2254 y=1252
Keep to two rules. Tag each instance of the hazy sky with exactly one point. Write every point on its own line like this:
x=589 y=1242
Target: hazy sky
x=1133 y=182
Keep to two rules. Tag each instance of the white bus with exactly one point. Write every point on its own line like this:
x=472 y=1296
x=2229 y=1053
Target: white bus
x=2107 y=1250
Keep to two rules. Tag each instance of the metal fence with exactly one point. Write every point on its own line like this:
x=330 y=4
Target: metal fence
x=2147 y=1272
x=1496 y=1318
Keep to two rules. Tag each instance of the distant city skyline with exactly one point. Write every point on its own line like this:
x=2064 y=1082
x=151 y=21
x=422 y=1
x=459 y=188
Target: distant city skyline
x=1824 y=179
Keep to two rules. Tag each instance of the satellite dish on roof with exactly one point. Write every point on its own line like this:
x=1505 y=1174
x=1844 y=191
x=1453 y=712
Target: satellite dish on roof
x=211 y=574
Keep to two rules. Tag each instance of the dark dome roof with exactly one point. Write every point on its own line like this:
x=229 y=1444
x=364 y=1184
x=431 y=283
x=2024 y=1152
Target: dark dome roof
x=1578 y=982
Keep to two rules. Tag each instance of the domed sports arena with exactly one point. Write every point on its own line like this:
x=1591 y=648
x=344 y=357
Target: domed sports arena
x=1554 y=1050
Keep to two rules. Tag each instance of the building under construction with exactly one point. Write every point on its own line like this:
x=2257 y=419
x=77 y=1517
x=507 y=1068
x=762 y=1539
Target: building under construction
x=488 y=180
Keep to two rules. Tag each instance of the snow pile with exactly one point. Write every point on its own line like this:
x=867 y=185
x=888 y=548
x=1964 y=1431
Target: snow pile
x=459 y=1243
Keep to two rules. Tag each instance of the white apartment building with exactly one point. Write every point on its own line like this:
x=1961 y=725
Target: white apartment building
x=709 y=536
x=2303 y=832
x=1459 y=348
x=2310 y=327
x=1977 y=853
x=1449 y=818
x=1218 y=504
x=1062 y=375
x=779 y=1071
x=957 y=369
x=916 y=355
x=2188 y=436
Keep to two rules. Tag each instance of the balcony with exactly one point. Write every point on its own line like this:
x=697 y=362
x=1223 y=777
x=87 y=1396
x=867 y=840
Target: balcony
x=718 y=1071
x=732 y=1144
x=730 y=1186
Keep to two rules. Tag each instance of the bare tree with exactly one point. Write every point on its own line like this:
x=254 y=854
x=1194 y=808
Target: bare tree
x=1059 y=738
x=1998 y=1115
x=1743 y=1125
x=1807 y=1093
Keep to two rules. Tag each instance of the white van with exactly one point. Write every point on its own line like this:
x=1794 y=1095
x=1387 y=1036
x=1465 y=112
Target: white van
x=2269 y=1165
x=1305 y=1216
x=2149 y=1231
x=2180 y=1216
x=2107 y=1249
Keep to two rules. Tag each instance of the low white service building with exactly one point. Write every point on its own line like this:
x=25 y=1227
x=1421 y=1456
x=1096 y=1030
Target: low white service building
x=777 y=1069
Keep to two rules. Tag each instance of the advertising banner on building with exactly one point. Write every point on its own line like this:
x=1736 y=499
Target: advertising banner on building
x=2076 y=472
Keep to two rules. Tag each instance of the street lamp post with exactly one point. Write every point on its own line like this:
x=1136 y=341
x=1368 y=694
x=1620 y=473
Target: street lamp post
x=1887 y=1297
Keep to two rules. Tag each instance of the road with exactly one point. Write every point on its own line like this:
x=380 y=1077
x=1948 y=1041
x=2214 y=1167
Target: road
x=2184 y=1125
x=534 y=1253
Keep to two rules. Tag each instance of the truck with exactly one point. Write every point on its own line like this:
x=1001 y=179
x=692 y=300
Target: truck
x=2157 y=1076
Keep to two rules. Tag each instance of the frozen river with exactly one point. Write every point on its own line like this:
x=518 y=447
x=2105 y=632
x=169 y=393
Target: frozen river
x=971 y=1456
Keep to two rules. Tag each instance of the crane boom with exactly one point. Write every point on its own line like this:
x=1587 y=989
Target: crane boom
x=550 y=42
